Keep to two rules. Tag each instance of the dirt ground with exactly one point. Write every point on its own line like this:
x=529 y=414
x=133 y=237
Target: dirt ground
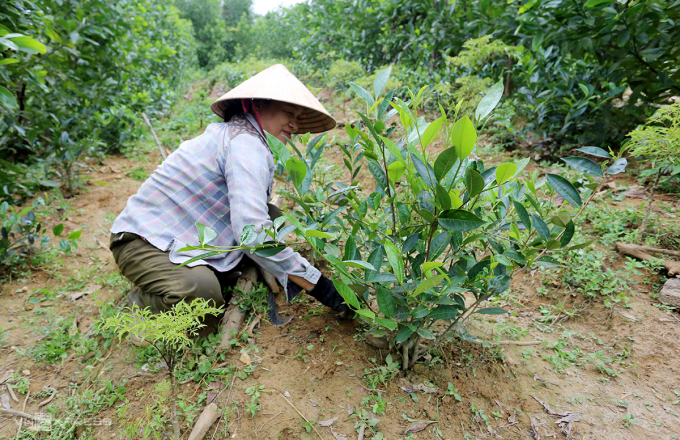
x=519 y=390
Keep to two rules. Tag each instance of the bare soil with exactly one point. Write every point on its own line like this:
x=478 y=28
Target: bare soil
x=500 y=386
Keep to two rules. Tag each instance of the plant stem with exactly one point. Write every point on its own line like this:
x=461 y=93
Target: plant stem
x=173 y=412
x=643 y=226
x=404 y=361
x=393 y=195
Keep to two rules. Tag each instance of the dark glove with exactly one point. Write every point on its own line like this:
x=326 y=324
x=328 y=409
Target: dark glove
x=326 y=293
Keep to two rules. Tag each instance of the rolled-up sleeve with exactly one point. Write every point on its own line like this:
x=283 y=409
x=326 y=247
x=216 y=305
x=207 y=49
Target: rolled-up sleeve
x=247 y=173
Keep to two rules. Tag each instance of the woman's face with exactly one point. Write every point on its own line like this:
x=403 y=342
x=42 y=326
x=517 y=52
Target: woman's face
x=279 y=118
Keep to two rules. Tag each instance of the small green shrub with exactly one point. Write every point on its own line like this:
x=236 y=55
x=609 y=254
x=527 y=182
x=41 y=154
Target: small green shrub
x=18 y=233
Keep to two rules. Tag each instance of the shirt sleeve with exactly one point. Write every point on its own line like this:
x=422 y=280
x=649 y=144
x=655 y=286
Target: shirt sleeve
x=248 y=175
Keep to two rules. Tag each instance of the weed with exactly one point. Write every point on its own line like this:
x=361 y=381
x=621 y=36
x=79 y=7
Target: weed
x=3 y=342
x=20 y=383
x=138 y=173
x=253 y=301
x=478 y=414
x=308 y=425
x=167 y=332
x=382 y=374
x=451 y=391
x=586 y=273
x=254 y=405
x=628 y=419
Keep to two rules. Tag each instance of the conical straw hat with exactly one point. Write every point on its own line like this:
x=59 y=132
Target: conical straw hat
x=278 y=84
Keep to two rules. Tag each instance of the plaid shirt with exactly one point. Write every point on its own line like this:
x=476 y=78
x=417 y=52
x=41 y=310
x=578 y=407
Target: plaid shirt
x=223 y=179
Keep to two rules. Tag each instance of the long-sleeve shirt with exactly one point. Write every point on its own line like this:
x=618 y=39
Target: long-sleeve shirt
x=223 y=179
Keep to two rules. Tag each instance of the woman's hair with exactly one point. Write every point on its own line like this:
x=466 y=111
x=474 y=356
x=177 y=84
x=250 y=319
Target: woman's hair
x=258 y=102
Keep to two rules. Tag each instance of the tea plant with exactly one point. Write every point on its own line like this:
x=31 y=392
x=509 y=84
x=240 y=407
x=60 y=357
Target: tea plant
x=453 y=231
x=18 y=232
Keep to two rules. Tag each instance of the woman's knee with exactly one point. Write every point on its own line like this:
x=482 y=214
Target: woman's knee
x=196 y=282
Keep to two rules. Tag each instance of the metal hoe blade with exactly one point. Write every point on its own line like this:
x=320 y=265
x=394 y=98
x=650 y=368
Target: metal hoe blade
x=273 y=312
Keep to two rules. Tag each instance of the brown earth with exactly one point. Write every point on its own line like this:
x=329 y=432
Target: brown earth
x=500 y=387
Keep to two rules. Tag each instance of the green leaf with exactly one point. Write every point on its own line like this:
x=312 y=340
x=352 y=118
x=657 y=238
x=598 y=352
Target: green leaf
x=623 y=37
x=394 y=257
x=425 y=171
x=521 y=164
x=504 y=172
x=392 y=147
x=565 y=189
x=6 y=61
x=358 y=263
x=29 y=45
x=278 y=148
x=206 y=235
x=363 y=94
x=445 y=161
x=380 y=81
x=395 y=170
x=474 y=182
x=428 y=284
x=618 y=167
x=444 y=312
x=58 y=229
x=318 y=234
x=404 y=334
x=442 y=197
x=347 y=294
x=7 y=99
x=269 y=251
x=463 y=137
x=367 y=313
x=492 y=311
x=593 y=3
x=459 y=220
x=425 y=333
x=432 y=131
x=386 y=323
x=199 y=257
x=74 y=235
x=568 y=234
x=541 y=227
x=350 y=248
x=248 y=234
x=522 y=213
x=548 y=262
x=584 y=165
x=385 y=302
x=53 y=35
x=595 y=151
x=490 y=101
x=297 y=170
x=581 y=245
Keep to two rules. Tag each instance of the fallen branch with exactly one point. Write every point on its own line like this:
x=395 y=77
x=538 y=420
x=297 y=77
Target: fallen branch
x=11 y=392
x=657 y=250
x=204 y=422
x=635 y=251
x=520 y=343
x=20 y=414
x=49 y=399
x=158 y=143
x=298 y=411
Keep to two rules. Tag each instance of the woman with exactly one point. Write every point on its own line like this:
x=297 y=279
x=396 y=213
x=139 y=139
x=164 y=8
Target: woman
x=223 y=179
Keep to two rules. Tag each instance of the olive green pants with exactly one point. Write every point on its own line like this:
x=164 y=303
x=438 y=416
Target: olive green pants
x=161 y=283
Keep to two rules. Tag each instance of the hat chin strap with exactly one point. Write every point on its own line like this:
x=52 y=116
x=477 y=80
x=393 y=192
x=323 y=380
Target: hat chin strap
x=249 y=103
